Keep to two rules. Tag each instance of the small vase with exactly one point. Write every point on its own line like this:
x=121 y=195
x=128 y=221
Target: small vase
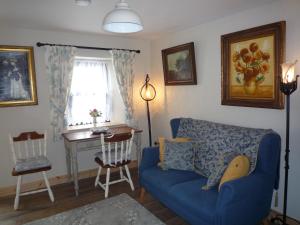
x=250 y=87
x=95 y=121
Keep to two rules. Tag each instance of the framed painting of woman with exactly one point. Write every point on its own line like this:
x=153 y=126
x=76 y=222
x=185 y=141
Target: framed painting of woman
x=17 y=76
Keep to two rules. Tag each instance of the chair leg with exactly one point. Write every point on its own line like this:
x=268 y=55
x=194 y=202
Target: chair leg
x=121 y=172
x=107 y=182
x=129 y=178
x=142 y=195
x=18 y=190
x=48 y=186
x=98 y=176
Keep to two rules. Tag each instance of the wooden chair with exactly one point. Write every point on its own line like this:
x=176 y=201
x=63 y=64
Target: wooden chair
x=116 y=152
x=29 y=154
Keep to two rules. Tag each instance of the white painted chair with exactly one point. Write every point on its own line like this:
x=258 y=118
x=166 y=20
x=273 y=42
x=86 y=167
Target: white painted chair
x=115 y=152
x=29 y=151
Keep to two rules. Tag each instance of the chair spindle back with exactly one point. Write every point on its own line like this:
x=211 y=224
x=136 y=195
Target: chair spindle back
x=117 y=149
x=28 y=145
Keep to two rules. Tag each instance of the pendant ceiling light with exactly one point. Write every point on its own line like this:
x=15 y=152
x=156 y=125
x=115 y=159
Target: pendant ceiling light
x=122 y=19
x=83 y=2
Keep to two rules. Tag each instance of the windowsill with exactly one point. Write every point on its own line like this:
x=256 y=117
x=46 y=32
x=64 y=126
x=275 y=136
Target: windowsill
x=76 y=128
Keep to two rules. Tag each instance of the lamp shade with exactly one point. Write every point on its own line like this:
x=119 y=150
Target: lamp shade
x=122 y=19
x=83 y=2
x=148 y=91
x=288 y=72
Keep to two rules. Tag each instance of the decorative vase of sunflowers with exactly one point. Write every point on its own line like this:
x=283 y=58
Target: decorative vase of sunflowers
x=251 y=65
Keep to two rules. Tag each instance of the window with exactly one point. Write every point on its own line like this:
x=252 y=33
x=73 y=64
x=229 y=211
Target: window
x=90 y=89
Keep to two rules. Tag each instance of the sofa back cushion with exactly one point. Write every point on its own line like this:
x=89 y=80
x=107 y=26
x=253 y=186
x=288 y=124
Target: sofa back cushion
x=209 y=156
x=269 y=145
x=224 y=137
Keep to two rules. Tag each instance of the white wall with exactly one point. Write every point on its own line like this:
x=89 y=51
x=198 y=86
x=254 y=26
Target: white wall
x=17 y=119
x=203 y=100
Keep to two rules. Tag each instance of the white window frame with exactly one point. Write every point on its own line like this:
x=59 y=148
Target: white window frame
x=117 y=106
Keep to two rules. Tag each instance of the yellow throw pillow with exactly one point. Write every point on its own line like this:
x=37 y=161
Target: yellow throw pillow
x=161 y=141
x=237 y=168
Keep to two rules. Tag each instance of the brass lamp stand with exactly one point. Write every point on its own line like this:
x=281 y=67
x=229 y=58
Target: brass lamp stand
x=148 y=93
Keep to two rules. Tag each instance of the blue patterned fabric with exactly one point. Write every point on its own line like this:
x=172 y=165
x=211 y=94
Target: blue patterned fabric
x=209 y=155
x=223 y=138
x=32 y=163
x=218 y=167
x=179 y=155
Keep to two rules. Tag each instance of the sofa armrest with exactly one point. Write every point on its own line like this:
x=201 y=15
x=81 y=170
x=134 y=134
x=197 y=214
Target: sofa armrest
x=251 y=194
x=150 y=158
x=253 y=187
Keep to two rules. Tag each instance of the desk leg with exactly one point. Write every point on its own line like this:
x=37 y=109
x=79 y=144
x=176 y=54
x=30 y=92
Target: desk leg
x=138 y=144
x=75 y=167
x=68 y=159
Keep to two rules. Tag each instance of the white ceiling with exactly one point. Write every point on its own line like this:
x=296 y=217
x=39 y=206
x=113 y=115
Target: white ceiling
x=159 y=16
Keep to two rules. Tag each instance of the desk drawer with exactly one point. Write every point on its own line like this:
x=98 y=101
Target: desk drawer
x=88 y=144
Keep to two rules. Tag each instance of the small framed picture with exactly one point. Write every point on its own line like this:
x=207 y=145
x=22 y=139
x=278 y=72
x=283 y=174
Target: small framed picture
x=17 y=76
x=251 y=68
x=179 y=65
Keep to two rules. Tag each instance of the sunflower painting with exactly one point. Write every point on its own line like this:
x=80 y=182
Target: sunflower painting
x=251 y=66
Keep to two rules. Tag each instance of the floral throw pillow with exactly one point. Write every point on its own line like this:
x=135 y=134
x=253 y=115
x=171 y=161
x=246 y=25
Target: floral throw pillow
x=207 y=154
x=220 y=164
x=179 y=156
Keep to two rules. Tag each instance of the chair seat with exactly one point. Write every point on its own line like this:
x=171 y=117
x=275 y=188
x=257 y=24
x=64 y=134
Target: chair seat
x=33 y=145
x=113 y=163
x=31 y=165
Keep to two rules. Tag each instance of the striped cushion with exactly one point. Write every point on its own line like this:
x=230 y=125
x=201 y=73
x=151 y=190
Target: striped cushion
x=32 y=163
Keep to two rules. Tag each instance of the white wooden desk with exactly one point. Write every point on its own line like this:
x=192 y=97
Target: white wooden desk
x=84 y=140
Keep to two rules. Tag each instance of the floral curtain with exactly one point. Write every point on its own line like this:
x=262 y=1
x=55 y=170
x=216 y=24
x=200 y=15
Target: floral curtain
x=123 y=66
x=59 y=67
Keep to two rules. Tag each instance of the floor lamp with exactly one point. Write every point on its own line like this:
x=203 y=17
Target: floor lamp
x=288 y=84
x=148 y=93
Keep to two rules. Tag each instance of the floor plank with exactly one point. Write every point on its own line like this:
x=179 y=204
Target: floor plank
x=38 y=206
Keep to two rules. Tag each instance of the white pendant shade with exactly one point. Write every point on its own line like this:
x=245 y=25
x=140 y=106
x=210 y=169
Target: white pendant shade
x=122 y=19
x=83 y=2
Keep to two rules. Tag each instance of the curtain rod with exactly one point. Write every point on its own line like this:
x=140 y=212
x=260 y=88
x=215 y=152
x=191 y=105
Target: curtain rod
x=39 y=44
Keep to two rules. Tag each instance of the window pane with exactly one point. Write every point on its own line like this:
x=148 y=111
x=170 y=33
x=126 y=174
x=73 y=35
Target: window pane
x=90 y=89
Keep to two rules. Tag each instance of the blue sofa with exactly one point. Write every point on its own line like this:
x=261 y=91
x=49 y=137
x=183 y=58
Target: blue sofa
x=244 y=201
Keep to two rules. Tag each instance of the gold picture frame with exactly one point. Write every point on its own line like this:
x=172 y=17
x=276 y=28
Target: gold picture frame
x=251 y=68
x=17 y=76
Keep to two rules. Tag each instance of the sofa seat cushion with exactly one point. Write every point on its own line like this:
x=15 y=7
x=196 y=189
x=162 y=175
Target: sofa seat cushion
x=163 y=180
x=194 y=200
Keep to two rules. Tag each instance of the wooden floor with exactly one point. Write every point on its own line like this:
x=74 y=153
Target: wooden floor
x=38 y=206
